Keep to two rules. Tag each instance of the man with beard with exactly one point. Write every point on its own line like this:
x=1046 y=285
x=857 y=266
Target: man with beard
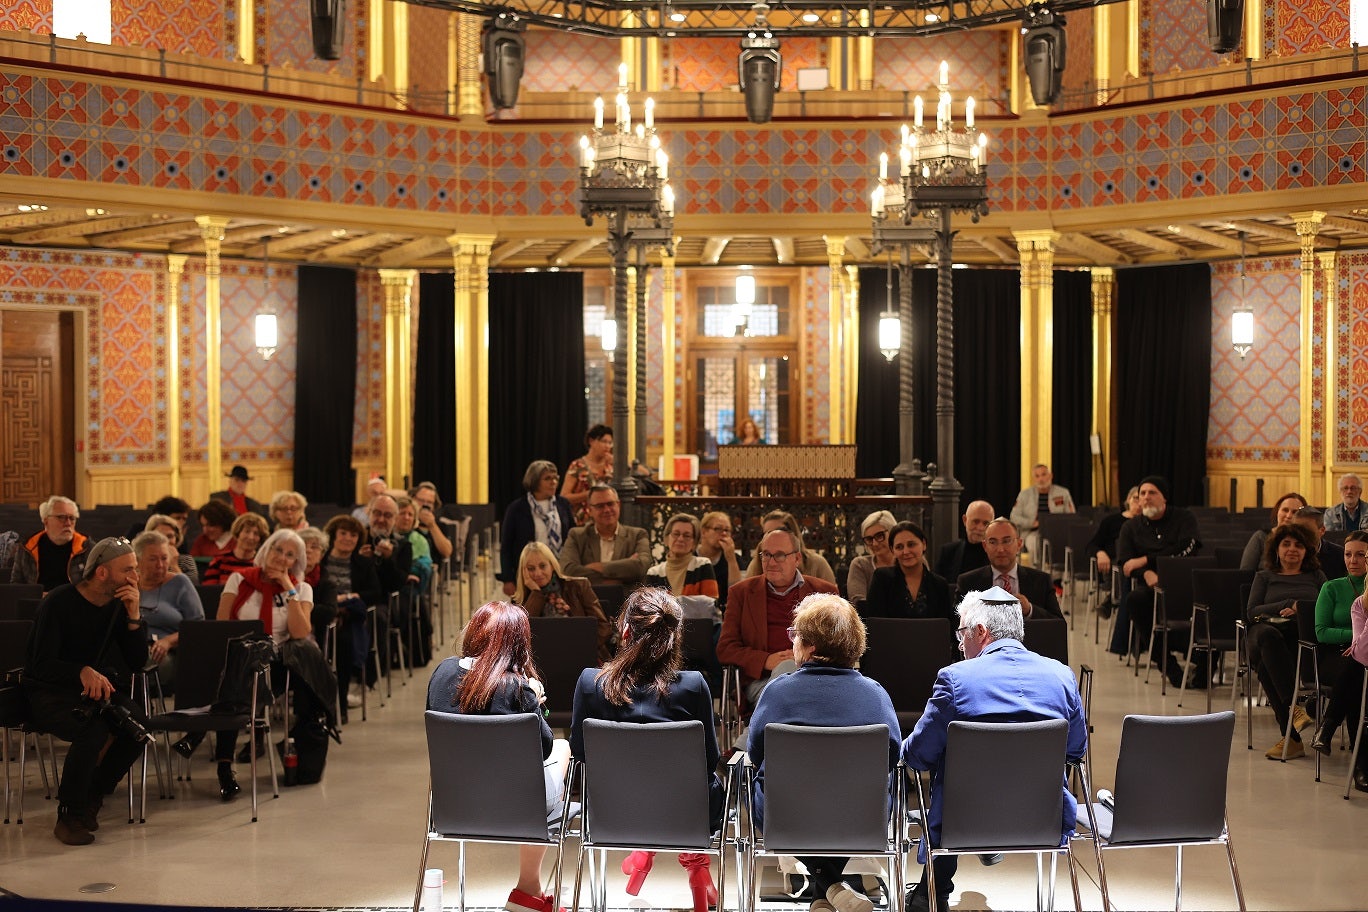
x=43 y=558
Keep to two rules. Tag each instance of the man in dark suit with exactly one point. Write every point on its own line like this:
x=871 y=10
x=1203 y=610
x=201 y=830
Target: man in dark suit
x=965 y=554
x=236 y=495
x=1032 y=588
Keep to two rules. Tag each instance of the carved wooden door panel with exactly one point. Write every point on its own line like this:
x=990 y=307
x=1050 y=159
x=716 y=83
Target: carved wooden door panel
x=36 y=406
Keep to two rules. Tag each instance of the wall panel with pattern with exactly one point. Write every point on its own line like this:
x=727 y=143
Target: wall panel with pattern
x=1173 y=37
x=27 y=16
x=1308 y=26
x=1351 y=367
x=567 y=62
x=175 y=26
x=978 y=64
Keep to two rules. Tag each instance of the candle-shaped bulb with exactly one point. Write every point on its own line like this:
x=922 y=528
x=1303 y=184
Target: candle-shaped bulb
x=650 y=113
x=905 y=133
x=969 y=113
x=641 y=131
x=667 y=199
x=584 y=151
x=904 y=160
x=619 y=105
x=917 y=111
x=876 y=201
x=944 y=73
x=883 y=166
x=622 y=75
x=598 y=113
x=663 y=164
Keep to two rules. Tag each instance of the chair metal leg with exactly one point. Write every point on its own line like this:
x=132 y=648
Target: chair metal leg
x=460 y=876
x=1358 y=739
x=1178 y=881
x=422 y=864
x=1296 y=694
x=1234 y=872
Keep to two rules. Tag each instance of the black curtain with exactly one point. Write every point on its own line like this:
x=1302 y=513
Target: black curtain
x=536 y=375
x=325 y=384
x=434 y=409
x=1163 y=375
x=876 y=406
x=1073 y=365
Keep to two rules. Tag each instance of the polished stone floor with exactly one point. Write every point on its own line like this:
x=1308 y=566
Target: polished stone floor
x=353 y=840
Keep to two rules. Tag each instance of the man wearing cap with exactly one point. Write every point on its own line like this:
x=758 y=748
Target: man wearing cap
x=1159 y=531
x=87 y=639
x=1000 y=681
x=236 y=495
x=43 y=558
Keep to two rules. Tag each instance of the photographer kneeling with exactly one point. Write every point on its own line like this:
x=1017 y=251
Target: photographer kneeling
x=87 y=638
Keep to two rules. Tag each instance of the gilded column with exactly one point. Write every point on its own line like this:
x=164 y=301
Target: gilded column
x=1308 y=224
x=1329 y=264
x=631 y=358
x=864 y=58
x=835 y=331
x=246 y=30
x=1037 y=347
x=211 y=231
x=398 y=284
x=1103 y=308
x=668 y=348
x=470 y=254
x=850 y=350
x=175 y=270
x=469 y=94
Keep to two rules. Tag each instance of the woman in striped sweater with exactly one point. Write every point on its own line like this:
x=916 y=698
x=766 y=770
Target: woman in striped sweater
x=682 y=571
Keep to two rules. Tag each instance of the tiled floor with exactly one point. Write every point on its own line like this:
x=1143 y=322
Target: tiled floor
x=353 y=840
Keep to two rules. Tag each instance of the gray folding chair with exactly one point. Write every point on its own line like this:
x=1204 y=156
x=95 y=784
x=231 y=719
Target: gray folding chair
x=1170 y=791
x=853 y=775
x=1172 y=605
x=562 y=648
x=486 y=784
x=629 y=805
x=905 y=655
x=1023 y=814
x=1360 y=726
x=1216 y=609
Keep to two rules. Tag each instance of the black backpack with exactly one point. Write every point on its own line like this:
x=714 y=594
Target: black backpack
x=247 y=656
x=310 y=734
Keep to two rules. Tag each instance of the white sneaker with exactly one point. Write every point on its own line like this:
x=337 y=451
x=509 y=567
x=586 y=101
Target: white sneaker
x=845 y=899
x=354 y=697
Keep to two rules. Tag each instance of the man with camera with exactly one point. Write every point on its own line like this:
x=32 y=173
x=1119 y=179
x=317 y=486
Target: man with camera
x=87 y=639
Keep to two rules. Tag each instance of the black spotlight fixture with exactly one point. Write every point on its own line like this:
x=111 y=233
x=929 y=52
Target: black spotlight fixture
x=1045 y=47
x=759 y=68
x=1225 y=21
x=502 y=45
x=329 y=20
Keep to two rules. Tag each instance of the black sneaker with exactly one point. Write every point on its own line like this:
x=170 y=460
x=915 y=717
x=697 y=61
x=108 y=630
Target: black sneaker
x=70 y=829
x=90 y=816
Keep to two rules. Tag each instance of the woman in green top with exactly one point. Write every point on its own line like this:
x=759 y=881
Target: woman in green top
x=1337 y=596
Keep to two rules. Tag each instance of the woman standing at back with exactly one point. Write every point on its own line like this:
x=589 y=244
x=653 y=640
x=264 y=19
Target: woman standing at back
x=644 y=684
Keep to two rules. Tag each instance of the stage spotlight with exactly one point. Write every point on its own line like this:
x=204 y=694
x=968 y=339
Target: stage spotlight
x=1224 y=21
x=1045 y=48
x=329 y=21
x=502 y=45
x=759 y=68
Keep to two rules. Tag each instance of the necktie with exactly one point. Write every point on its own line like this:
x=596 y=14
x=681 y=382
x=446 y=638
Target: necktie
x=1005 y=582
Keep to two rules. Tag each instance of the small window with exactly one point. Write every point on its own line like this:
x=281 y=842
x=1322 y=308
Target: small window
x=91 y=18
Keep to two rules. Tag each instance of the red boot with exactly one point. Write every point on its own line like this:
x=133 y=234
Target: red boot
x=636 y=866
x=700 y=879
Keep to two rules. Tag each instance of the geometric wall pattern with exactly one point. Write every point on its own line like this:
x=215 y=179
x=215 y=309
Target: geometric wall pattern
x=814 y=385
x=1351 y=432
x=978 y=66
x=368 y=434
x=655 y=378
x=1079 y=69
x=26 y=16
x=1173 y=37
x=284 y=36
x=710 y=64
x=176 y=26
x=567 y=62
x=1310 y=26
x=427 y=59
x=1255 y=410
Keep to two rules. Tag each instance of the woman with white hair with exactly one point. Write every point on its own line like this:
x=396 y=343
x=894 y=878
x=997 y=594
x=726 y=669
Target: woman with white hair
x=540 y=515
x=874 y=531
x=287 y=510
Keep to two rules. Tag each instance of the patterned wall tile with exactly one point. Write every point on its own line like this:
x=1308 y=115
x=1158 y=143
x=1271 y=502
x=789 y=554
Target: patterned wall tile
x=1255 y=401
x=1351 y=367
x=428 y=79
x=368 y=436
x=978 y=64
x=1173 y=37
x=27 y=16
x=700 y=64
x=567 y=62
x=176 y=26
x=655 y=380
x=816 y=391
x=1080 y=52
x=287 y=32
x=1310 y=26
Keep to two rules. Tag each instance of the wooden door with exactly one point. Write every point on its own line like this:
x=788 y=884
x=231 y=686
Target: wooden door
x=37 y=405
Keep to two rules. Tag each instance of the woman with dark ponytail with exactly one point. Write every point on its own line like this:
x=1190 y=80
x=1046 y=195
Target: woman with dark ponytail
x=644 y=683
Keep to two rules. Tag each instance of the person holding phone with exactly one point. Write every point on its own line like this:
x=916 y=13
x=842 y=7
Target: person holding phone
x=544 y=592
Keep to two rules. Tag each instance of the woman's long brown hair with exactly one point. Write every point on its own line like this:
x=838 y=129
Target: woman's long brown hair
x=650 y=652
x=499 y=638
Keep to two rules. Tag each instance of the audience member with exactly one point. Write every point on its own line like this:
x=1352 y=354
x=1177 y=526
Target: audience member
x=1291 y=579
x=428 y=503
x=826 y=690
x=236 y=493
x=1102 y=546
x=44 y=556
x=908 y=589
x=645 y=684
x=1346 y=693
x=167 y=526
x=592 y=469
x=287 y=510
x=164 y=599
x=495 y=676
x=325 y=607
x=810 y=564
x=248 y=532
x=748 y=433
x=1284 y=509
x=683 y=572
x=1328 y=553
x=349 y=582
x=965 y=554
x=406 y=526
x=216 y=524
x=759 y=608
x=87 y=639
x=874 y=532
x=392 y=556
x=374 y=488
x=542 y=590
x=539 y=515
x=1336 y=598
x=1044 y=496
x=1033 y=588
x=606 y=551
x=716 y=544
x=1160 y=530
x=1348 y=514
x=174 y=508
x=1001 y=681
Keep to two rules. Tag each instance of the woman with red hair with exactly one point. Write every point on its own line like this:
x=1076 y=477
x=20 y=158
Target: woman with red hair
x=494 y=675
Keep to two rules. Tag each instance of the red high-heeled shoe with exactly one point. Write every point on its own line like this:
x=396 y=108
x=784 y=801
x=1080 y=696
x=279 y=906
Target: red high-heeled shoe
x=700 y=880
x=636 y=866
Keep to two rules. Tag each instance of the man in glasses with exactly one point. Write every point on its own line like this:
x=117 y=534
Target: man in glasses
x=965 y=554
x=606 y=551
x=87 y=639
x=44 y=557
x=760 y=609
x=1032 y=588
x=1001 y=681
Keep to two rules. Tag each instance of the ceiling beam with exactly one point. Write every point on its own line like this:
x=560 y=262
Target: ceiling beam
x=712 y=250
x=783 y=250
x=350 y=247
x=1145 y=239
x=1345 y=224
x=1203 y=236
x=857 y=248
x=510 y=249
x=147 y=233
x=283 y=243
x=80 y=229
x=231 y=238
x=1266 y=229
x=1093 y=249
x=26 y=220
x=572 y=251
x=411 y=252
x=998 y=247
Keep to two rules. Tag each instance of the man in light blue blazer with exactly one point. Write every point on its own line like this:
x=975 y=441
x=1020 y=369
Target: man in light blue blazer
x=1003 y=681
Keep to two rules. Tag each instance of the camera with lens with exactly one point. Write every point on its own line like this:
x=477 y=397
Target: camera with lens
x=119 y=717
